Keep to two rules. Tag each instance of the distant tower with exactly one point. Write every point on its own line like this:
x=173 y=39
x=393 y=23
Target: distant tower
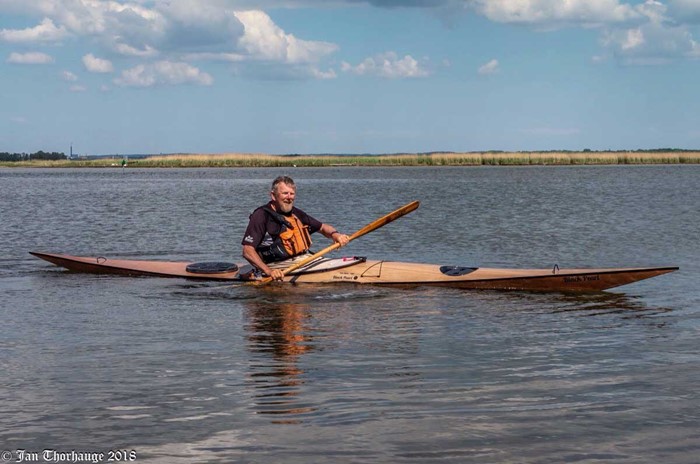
x=71 y=151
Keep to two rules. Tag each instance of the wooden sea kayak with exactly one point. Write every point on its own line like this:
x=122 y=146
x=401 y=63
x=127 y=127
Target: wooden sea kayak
x=356 y=270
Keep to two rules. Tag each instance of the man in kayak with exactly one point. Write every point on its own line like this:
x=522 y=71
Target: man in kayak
x=279 y=232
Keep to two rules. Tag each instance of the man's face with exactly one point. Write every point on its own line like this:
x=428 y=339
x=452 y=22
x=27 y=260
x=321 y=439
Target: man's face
x=283 y=196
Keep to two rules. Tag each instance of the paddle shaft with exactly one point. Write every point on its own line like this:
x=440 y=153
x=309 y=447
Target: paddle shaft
x=374 y=225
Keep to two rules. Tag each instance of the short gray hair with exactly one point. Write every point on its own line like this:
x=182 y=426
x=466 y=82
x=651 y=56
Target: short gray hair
x=282 y=179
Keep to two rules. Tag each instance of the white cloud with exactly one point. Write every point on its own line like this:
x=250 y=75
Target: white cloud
x=556 y=12
x=656 y=41
x=127 y=50
x=650 y=32
x=46 y=31
x=69 y=76
x=77 y=88
x=168 y=28
x=117 y=25
x=654 y=10
x=30 y=58
x=163 y=72
x=491 y=67
x=651 y=44
x=631 y=39
x=208 y=56
x=174 y=31
x=211 y=30
x=387 y=65
x=97 y=65
x=113 y=20
x=199 y=26
x=263 y=39
x=318 y=74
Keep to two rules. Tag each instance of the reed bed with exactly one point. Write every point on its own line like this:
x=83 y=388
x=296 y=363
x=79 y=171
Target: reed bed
x=408 y=159
x=242 y=160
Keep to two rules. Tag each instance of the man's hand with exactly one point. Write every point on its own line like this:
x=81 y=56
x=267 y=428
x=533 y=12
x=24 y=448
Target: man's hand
x=342 y=239
x=276 y=274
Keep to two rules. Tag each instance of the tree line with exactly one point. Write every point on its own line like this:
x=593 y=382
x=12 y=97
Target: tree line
x=40 y=155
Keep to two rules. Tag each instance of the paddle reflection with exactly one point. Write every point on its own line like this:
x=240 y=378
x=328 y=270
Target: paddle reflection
x=277 y=338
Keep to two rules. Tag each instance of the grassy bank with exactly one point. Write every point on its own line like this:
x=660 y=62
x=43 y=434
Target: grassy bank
x=433 y=159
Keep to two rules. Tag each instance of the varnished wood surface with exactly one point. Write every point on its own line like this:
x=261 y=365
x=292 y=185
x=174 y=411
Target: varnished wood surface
x=390 y=273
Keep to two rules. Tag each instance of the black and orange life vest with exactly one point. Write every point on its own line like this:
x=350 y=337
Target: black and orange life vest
x=294 y=238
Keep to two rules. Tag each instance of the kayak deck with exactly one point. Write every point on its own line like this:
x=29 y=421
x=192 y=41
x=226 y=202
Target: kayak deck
x=186 y=269
x=130 y=267
x=575 y=280
x=362 y=271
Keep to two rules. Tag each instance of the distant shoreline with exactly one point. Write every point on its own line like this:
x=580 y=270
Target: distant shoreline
x=240 y=160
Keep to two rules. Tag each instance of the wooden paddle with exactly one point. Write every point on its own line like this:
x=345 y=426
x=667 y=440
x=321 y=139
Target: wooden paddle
x=382 y=221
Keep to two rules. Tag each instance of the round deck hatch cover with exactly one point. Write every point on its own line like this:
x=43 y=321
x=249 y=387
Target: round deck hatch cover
x=211 y=267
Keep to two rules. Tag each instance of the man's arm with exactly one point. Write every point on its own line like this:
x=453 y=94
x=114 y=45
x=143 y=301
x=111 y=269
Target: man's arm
x=326 y=230
x=254 y=258
x=254 y=233
x=330 y=232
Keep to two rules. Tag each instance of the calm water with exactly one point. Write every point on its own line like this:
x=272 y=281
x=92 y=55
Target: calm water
x=181 y=371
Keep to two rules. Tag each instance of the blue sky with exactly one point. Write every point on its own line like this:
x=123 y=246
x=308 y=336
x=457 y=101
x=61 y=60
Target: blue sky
x=348 y=76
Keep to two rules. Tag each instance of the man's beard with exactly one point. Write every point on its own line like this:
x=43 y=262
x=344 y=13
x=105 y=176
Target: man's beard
x=285 y=208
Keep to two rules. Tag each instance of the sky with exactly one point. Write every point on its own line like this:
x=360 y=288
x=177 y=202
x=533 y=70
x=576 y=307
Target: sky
x=348 y=76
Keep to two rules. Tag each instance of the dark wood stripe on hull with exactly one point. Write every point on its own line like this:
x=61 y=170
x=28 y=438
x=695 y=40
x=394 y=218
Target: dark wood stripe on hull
x=84 y=266
x=589 y=282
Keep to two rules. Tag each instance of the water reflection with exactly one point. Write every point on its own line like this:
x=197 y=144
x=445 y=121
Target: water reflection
x=577 y=304
x=605 y=303
x=277 y=330
x=295 y=334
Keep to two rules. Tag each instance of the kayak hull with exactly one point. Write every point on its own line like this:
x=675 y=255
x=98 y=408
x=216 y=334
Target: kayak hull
x=373 y=272
x=397 y=273
x=129 y=267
